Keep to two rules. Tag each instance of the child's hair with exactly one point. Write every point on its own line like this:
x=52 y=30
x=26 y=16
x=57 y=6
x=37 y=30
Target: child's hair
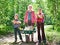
x=39 y=9
x=29 y=6
x=16 y=15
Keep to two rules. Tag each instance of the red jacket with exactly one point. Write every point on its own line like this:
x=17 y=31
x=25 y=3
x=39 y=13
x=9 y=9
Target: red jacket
x=32 y=16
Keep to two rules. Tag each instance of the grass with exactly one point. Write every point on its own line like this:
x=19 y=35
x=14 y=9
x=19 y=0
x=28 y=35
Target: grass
x=53 y=36
x=5 y=30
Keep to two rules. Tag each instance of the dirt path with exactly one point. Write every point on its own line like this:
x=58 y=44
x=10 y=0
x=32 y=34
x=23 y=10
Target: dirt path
x=9 y=39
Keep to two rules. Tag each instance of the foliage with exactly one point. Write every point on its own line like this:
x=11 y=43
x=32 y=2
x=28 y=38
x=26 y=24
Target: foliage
x=8 y=8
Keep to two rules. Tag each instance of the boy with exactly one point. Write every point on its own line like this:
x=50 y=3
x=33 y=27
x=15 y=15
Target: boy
x=16 y=23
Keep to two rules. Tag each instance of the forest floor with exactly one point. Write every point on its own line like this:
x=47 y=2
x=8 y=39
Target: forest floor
x=52 y=39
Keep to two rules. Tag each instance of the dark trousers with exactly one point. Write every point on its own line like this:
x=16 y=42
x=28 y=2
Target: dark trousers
x=16 y=30
x=41 y=26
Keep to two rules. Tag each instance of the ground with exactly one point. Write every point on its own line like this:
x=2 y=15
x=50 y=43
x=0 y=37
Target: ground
x=51 y=36
x=9 y=39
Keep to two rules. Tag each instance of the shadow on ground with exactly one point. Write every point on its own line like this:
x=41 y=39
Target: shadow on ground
x=22 y=43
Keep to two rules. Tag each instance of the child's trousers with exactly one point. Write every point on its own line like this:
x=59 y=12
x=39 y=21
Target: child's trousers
x=41 y=25
x=16 y=30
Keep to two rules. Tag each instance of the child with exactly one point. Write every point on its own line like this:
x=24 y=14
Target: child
x=40 y=24
x=16 y=23
x=30 y=18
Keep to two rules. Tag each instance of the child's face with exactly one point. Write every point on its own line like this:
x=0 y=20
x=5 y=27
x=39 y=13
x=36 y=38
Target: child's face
x=30 y=7
x=39 y=10
x=16 y=17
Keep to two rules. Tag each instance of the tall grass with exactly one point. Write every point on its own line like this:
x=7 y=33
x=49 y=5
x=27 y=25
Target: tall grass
x=53 y=36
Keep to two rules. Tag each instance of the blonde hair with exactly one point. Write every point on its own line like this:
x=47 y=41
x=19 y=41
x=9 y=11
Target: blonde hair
x=40 y=9
x=16 y=15
x=31 y=6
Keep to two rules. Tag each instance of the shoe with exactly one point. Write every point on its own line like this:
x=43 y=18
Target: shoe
x=21 y=40
x=36 y=41
x=15 y=42
x=39 y=43
x=45 y=43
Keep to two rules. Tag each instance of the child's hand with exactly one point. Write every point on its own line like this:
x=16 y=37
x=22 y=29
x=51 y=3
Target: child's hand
x=18 y=22
x=14 y=22
x=39 y=16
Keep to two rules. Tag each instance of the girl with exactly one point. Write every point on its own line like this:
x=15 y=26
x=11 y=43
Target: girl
x=30 y=17
x=40 y=25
